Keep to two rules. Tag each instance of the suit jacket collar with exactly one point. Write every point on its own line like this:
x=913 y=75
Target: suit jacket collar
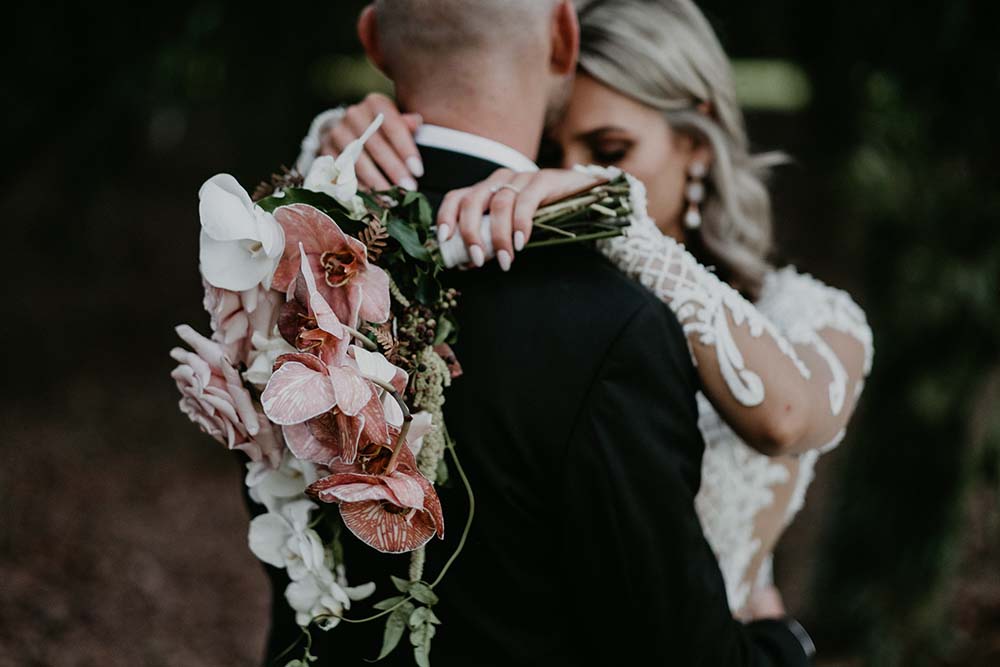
x=445 y=138
x=454 y=159
x=446 y=170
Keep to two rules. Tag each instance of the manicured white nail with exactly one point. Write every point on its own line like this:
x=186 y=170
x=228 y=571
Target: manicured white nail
x=443 y=233
x=477 y=256
x=519 y=241
x=504 y=259
x=408 y=184
x=415 y=166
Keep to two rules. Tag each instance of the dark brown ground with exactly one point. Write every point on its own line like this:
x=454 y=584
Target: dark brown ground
x=127 y=547
x=123 y=541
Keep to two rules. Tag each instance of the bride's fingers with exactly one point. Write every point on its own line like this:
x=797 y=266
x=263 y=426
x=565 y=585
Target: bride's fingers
x=524 y=210
x=447 y=217
x=502 y=216
x=388 y=162
x=379 y=148
x=449 y=213
x=398 y=130
x=413 y=122
x=470 y=214
x=368 y=174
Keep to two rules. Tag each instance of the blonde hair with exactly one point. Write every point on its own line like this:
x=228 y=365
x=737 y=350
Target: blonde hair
x=665 y=54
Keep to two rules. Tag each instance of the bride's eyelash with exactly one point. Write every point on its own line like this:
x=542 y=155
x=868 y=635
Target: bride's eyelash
x=610 y=157
x=610 y=152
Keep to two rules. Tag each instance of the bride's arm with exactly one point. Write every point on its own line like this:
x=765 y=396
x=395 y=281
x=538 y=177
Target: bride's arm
x=784 y=387
x=785 y=383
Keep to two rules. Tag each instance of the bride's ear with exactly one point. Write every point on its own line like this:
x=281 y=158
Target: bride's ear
x=565 y=39
x=368 y=34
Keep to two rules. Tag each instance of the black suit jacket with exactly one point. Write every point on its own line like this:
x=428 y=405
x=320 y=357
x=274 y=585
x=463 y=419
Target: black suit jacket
x=576 y=423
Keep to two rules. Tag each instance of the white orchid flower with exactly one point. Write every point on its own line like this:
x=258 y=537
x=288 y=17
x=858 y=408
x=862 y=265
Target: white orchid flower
x=336 y=177
x=265 y=351
x=320 y=594
x=273 y=487
x=283 y=539
x=241 y=243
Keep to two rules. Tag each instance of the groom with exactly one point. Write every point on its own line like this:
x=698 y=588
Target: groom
x=575 y=418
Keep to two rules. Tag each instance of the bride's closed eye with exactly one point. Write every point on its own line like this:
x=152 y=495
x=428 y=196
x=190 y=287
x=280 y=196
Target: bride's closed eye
x=610 y=153
x=608 y=145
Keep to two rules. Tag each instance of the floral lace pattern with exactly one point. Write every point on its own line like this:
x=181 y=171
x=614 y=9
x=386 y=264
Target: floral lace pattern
x=738 y=483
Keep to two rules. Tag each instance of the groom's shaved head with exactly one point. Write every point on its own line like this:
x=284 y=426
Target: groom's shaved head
x=414 y=33
x=497 y=68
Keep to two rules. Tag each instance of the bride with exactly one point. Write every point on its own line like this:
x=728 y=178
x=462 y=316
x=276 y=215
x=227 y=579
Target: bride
x=782 y=357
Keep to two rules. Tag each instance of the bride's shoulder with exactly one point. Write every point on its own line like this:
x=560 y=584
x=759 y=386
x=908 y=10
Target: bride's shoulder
x=788 y=282
x=789 y=295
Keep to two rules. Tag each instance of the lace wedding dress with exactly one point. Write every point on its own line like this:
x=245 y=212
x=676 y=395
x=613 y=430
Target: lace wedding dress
x=747 y=499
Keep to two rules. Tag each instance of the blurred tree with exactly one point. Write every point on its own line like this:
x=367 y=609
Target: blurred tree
x=908 y=173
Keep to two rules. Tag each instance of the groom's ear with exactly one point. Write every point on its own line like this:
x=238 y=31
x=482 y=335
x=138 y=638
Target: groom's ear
x=368 y=34
x=565 y=39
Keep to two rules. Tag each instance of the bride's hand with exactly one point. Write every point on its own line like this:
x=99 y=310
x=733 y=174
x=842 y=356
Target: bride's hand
x=390 y=155
x=765 y=603
x=511 y=198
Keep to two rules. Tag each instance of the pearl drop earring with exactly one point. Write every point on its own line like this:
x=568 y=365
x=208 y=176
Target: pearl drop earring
x=695 y=193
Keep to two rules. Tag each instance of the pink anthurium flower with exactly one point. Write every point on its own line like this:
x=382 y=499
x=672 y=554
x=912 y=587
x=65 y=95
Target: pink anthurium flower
x=351 y=286
x=393 y=512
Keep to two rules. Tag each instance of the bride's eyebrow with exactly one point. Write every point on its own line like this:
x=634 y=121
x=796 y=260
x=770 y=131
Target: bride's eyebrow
x=591 y=135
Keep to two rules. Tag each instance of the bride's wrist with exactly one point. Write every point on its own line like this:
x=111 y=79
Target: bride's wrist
x=313 y=141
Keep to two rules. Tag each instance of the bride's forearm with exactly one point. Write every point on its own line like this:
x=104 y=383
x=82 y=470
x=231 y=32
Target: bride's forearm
x=794 y=413
x=785 y=385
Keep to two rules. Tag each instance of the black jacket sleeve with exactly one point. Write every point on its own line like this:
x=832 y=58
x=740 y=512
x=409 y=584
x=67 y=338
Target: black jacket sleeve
x=651 y=588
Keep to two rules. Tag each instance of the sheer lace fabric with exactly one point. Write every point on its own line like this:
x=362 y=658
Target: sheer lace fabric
x=747 y=499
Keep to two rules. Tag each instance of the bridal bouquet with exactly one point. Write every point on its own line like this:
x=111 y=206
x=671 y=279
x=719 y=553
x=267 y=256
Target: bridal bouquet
x=331 y=322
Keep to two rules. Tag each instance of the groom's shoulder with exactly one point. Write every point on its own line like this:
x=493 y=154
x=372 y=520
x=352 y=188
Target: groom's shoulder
x=568 y=293
x=591 y=287
x=617 y=310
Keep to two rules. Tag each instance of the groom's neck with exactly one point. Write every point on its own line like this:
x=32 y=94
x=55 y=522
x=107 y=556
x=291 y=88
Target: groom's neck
x=501 y=113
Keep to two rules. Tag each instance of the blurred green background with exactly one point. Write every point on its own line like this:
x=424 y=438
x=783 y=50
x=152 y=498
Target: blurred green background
x=123 y=536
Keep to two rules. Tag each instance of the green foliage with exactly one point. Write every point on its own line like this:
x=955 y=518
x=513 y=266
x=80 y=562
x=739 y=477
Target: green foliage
x=420 y=620
x=318 y=200
x=394 y=627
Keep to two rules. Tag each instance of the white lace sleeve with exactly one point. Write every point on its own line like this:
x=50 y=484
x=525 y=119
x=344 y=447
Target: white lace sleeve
x=803 y=308
x=312 y=142
x=744 y=338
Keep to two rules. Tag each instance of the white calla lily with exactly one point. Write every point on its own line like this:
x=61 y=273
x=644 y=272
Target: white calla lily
x=336 y=176
x=241 y=243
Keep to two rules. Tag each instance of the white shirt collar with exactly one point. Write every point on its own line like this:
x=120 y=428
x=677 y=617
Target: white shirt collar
x=435 y=136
